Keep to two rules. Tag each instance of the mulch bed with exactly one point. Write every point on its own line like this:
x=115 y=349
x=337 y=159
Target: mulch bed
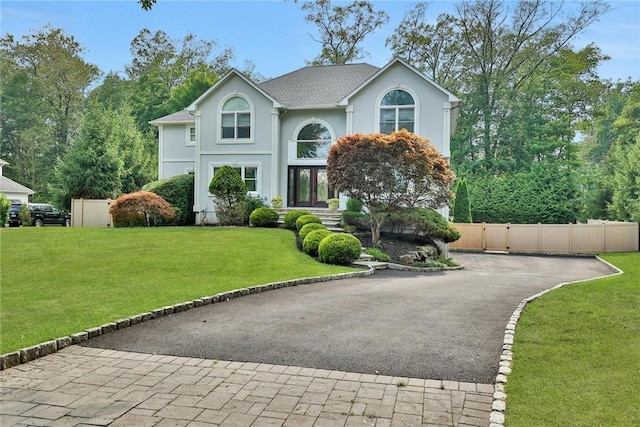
x=392 y=244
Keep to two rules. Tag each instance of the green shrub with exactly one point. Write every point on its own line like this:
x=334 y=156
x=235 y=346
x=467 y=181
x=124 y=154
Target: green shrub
x=423 y=225
x=354 y=205
x=462 y=205
x=230 y=191
x=357 y=220
x=378 y=255
x=308 y=228
x=312 y=241
x=25 y=215
x=264 y=217
x=307 y=219
x=292 y=216
x=5 y=205
x=178 y=192
x=251 y=204
x=339 y=248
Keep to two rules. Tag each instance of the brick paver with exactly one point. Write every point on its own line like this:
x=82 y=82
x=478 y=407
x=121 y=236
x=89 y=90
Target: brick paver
x=80 y=386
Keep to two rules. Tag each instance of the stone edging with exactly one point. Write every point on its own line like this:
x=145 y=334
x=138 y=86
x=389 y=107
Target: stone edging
x=28 y=354
x=496 y=419
x=400 y=267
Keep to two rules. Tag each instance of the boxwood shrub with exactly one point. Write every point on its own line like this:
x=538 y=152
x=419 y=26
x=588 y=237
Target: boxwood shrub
x=308 y=228
x=264 y=217
x=292 y=216
x=307 y=219
x=339 y=248
x=312 y=241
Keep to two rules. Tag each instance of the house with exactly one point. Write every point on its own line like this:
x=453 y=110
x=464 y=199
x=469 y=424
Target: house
x=13 y=191
x=277 y=133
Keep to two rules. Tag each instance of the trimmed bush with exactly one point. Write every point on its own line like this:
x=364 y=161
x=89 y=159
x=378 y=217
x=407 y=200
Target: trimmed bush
x=251 y=204
x=340 y=249
x=308 y=228
x=312 y=241
x=292 y=216
x=357 y=220
x=423 y=225
x=307 y=219
x=178 y=192
x=230 y=191
x=462 y=205
x=264 y=217
x=354 y=205
x=140 y=209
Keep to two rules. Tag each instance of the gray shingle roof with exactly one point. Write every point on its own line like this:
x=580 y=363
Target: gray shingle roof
x=181 y=116
x=10 y=186
x=318 y=85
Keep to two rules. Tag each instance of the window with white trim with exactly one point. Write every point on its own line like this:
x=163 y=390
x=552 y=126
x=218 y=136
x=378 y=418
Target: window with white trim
x=235 y=119
x=397 y=111
x=191 y=135
x=249 y=175
x=313 y=142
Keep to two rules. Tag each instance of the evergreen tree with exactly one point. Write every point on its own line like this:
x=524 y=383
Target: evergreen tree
x=462 y=204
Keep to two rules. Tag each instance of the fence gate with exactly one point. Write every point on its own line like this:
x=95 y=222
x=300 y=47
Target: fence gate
x=496 y=237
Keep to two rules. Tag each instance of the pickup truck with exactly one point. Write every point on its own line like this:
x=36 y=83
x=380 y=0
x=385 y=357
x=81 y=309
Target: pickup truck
x=44 y=214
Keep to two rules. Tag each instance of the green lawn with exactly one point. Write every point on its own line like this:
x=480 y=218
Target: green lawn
x=55 y=281
x=577 y=354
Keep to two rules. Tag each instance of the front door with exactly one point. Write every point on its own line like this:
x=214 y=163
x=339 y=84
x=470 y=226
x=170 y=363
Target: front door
x=309 y=186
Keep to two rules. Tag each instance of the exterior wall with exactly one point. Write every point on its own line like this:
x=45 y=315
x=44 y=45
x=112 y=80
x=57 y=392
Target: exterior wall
x=429 y=105
x=177 y=155
x=16 y=197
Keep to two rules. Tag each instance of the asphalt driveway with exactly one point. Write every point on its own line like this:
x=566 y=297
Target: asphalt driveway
x=426 y=325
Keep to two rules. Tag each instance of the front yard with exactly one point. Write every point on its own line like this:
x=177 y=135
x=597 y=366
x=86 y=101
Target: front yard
x=56 y=281
x=577 y=354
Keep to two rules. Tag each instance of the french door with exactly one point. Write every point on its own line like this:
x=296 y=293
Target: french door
x=308 y=186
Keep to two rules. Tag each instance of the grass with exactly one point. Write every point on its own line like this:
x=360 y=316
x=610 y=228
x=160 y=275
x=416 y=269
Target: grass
x=55 y=281
x=577 y=354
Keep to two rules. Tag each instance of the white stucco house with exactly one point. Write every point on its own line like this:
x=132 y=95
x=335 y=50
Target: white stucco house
x=277 y=133
x=13 y=191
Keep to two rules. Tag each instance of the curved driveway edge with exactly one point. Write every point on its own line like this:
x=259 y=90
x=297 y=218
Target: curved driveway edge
x=34 y=352
x=498 y=406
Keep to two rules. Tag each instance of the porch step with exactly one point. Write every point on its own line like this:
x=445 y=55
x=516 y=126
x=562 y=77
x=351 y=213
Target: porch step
x=331 y=219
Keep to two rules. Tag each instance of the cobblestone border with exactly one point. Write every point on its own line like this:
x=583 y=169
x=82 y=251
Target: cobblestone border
x=24 y=355
x=496 y=419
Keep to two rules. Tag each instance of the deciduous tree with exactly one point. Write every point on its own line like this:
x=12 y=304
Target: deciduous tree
x=386 y=172
x=140 y=207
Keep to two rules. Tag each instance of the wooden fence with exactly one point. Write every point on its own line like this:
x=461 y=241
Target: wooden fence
x=90 y=213
x=594 y=237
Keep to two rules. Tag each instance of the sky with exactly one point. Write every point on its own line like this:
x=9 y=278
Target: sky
x=270 y=33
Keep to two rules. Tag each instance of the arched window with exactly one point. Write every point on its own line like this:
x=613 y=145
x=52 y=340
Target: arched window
x=313 y=142
x=397 y=111
x=236 y=119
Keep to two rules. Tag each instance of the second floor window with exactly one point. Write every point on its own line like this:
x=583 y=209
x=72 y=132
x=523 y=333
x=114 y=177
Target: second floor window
x=313 y=142
x=397 y=111
x=236 y=119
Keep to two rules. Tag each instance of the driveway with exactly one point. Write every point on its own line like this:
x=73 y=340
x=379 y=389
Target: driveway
x=446 y=325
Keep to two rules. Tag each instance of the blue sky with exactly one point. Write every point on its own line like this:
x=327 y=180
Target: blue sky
x=270 y=33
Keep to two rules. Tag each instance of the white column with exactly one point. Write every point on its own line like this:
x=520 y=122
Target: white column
x=275 y=155
x=160 y=151
x=196 y=170
x=349 y=127
x=446 y=130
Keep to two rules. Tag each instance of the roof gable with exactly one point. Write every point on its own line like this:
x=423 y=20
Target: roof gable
x=10 y=186
x=182 y=116
x=318 y=86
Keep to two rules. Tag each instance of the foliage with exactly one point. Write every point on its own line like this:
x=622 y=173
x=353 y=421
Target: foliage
x=562 y=336
x=140 y=208
x=357 y=220
x=543 y=195
x=339 y=249
x=25 y=215
x=307 y=219
x=378 y=254
x=423 y=224
x=462 y=206
x=292 y=216
x=5 y=205
x=230 y=191
x=308 y=228
x=251 y=204
x=312 y=241
x=178 y=192
x=354 y=205
x=43 y=81
x=388 y=172
x=342 y=29
x=91 y=276
x=264 y=217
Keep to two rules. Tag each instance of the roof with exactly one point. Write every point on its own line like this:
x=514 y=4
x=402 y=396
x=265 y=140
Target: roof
x=182 y=116
x=10 y=186
x=316 y=86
